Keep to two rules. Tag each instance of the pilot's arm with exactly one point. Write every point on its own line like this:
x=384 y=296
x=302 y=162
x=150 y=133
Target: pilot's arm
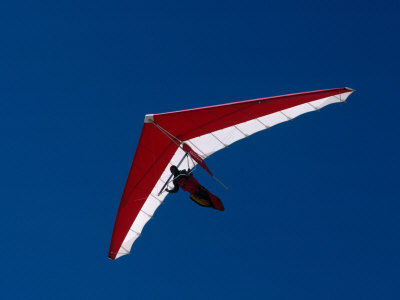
x=175 y=189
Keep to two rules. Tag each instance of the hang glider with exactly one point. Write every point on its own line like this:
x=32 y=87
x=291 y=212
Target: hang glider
x=167 y=138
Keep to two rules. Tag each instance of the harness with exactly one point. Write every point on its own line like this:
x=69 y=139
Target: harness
x=187 y=183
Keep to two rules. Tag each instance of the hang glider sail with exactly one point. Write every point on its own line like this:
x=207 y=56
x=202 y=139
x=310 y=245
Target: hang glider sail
x=167 y=138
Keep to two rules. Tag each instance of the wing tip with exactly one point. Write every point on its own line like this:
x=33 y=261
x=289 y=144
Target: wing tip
x=111 y=256
x=350 y=89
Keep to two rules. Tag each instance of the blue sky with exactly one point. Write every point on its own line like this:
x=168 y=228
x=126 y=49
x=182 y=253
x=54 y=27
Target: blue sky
x=312 y=211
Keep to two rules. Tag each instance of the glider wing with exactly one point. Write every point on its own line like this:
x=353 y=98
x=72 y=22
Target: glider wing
x=206 y=130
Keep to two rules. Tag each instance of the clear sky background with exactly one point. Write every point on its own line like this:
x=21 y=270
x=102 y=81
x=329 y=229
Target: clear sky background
x=313 y=206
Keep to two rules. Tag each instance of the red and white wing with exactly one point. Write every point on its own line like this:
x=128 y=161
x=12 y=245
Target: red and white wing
x=206 y=130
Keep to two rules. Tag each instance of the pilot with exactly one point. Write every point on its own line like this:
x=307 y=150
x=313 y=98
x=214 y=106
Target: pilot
x=199 y=194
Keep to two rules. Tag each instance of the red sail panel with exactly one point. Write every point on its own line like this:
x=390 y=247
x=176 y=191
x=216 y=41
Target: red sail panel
x=191 y=123
x=153 y=153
